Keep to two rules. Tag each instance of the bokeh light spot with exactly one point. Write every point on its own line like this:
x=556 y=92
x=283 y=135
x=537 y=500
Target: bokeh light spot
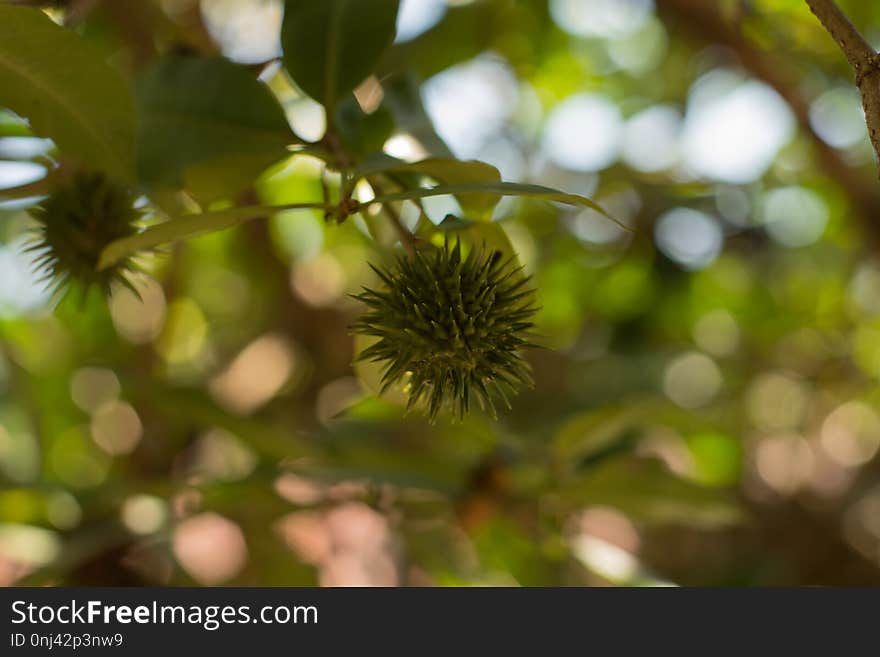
x=255 y=375
x=319 y=281
x=90 y=387
x=851 y=433
x=794 y=216
x=247 y=30
x=144 y=514
x=417 y=16
x=784 y=462
x=733 y=128
x=138 y=320
x=470 y=102
x=600 y=18
x=777 y=401
x=838 y=118
x=692 y=380
x=116 y=428
x=651 y=139
x=210 y=548
x=717 y=333
x=583 y=133
x=691 y=238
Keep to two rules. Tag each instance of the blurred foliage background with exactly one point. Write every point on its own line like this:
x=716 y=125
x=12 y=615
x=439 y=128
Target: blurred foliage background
x=706 y=412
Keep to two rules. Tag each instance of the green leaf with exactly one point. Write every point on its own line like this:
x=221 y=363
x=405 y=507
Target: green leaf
x=717 y=458
x=361 y=133
x=198 y=112
x=66 y=91
x=499 y=189
x=476 y=234
x=197 y=224
x=13 y=126
x=333 y=45
x=192 y=225
x=404 y=99
x=506 y=548
x=595 y=434
x=645 y=490
x=450 y=171
x=225 y=176
x=463 y=33
x=592 y=432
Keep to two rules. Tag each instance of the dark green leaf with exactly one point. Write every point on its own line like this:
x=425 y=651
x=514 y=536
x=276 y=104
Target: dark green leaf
x=405 y=102
x=363 y=133
x=207 y=112
x=66 y=91
x=464 y=33
x=333 y=45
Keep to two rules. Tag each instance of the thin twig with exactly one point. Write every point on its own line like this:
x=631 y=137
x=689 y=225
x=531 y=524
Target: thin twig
x=407 y=239
x=863 y=59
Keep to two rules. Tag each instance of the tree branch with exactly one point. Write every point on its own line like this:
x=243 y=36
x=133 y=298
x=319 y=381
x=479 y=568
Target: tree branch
x=703 y=22
x=861 y=57
x=858 y=51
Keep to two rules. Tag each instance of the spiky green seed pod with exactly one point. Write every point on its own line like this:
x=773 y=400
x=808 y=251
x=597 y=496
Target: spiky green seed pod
x=77 y=221
x=453 y=326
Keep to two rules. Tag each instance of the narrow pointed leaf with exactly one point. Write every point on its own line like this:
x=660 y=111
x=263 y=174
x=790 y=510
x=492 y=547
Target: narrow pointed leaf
x=499 y=189
x=449 y=171
x=189 y=226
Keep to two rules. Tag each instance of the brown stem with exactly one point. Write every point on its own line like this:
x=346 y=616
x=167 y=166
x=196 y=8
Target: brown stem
x=860 y=55
x=407 y=239
x=857 y=50
x=334 y=144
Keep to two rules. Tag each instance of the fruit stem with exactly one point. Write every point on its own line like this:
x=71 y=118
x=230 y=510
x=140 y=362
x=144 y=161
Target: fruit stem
x=407 y=239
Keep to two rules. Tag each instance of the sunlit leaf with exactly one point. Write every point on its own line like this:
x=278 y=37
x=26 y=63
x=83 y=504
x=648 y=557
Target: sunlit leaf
x=189 y=226
x=13 y=126
x=498 y=189
x=197 y=224
x=450 y=171
x=223 y=177
x=363 y=133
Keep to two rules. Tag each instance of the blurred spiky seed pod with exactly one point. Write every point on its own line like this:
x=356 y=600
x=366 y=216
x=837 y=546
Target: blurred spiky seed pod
x=454 y=326
x=78 y=219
